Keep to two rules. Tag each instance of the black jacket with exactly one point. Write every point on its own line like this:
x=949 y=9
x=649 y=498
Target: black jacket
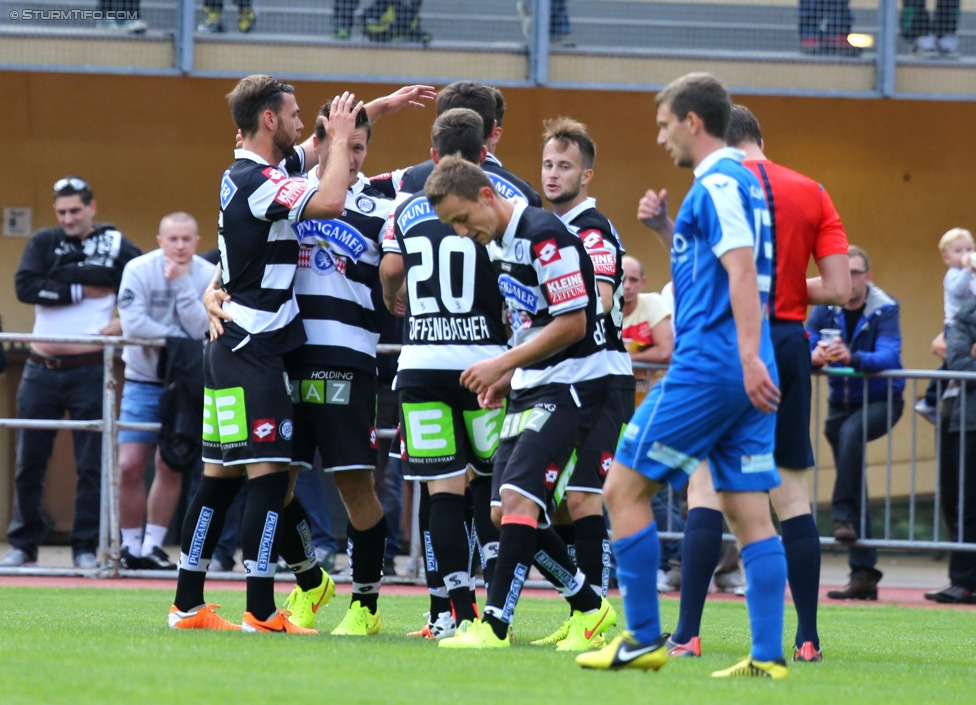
x=52 y=262
x=181 y=404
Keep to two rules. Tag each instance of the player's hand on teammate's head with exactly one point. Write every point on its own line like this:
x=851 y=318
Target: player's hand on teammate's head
x=652 y=209
x=342 y=115
x=415 y=96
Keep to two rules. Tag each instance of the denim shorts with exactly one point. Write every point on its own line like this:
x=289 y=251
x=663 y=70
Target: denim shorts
x=140 y=404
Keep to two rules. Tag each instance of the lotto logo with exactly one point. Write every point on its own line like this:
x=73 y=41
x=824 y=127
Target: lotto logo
x=592 y=239
x=290 y=192
x=264 y=431
x=547 y=251
x=606 y=460
x=552 y=474
x=273 y=174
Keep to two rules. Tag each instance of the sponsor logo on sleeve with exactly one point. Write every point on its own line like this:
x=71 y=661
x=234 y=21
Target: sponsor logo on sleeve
x=290 y=192
x=604 y=263
x=273 y=174
x=227 y=190
x=547 y=251
x=567 y=288
x=592 y=239
x=264 y=431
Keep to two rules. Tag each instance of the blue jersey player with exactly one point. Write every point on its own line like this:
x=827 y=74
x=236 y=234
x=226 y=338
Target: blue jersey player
x=715 y=401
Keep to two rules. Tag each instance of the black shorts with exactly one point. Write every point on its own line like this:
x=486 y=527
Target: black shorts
x=444 y=430
x=335 y=413
x=542 y=426
x=792 y=349
x=594 y=456
x=247 y=409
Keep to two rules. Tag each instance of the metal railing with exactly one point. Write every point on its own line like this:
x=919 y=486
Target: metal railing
x=757 y=46
x=109 y=535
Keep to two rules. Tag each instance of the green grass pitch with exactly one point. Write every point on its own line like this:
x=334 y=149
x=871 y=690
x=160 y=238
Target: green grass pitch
x=92 y=645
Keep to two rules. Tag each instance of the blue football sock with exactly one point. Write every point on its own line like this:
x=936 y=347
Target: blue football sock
x=700 y=552
x=637 y=559
x=765 y=566
x=802 y=545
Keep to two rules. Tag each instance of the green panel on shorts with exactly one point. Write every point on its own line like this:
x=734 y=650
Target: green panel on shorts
x=429 y=430
x=484 y=430
x=210 y=432
x=231 y=414
x=533 y=419
x=313 y=391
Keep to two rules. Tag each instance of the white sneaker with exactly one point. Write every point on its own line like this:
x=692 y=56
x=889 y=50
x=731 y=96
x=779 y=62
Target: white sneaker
x=949 y=46
x=133 y=26
x=926 y=46
x=925 y=409
x=669 y=581
x=17 y=558
x=732 y=583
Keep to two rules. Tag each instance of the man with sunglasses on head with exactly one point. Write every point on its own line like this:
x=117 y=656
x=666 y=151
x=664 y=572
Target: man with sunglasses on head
x=71 y=274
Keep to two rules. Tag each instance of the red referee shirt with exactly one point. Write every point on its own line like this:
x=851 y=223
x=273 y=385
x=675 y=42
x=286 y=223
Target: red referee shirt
x=804 y=222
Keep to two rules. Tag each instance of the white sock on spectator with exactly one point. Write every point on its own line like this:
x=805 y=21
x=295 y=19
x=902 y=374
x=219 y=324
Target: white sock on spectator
x=155 y=535
x=132 y=540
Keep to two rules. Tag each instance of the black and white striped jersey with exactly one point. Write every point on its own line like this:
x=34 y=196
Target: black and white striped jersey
x=338 y=269
x=543 y=272
x=454 y=315
x=505 y=182
x=259 y=253
x=602 y=244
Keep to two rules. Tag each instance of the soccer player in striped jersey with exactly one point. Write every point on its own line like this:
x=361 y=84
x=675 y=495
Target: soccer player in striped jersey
x=716 y=399
x=333 y=375
x=453 y=318
x=805 y=224
x=558 y=378
x=248 y=420
x=488 y=104
x=568 y=156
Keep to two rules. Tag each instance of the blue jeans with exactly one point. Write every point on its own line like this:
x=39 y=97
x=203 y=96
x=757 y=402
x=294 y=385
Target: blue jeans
x=47 y=394
x=844 y=429
x=659 y=505
x=311 y=493
x=388 y=475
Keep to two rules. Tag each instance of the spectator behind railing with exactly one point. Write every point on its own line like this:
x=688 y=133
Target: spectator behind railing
x=958 y=287
x=961 y=356
x=213 y=11
x=71 y=274
x=824 y=26
x=932 y=36
x=864 y=335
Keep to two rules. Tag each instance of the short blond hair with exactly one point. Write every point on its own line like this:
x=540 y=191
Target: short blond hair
x=953 y=235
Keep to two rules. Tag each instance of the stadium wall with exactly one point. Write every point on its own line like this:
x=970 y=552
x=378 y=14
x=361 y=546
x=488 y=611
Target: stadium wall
x=900 y=172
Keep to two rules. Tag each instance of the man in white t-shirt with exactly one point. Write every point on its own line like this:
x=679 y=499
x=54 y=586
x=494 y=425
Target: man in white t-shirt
x=647 y=330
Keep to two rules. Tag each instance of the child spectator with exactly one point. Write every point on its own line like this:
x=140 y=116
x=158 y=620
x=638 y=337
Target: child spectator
x=959 y=285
